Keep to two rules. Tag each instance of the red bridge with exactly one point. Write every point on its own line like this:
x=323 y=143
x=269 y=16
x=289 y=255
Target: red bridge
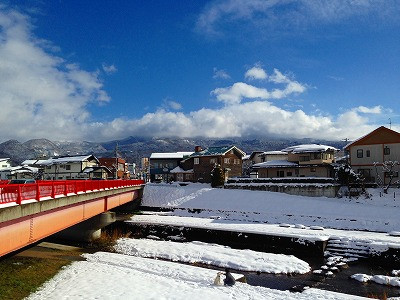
x=31 y=212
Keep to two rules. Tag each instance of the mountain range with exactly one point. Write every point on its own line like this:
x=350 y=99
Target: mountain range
x=134 y=148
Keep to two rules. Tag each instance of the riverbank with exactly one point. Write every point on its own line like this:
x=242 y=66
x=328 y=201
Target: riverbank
x=23 y=273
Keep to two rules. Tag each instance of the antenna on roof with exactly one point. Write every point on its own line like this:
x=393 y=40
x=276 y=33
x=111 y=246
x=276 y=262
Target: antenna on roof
x=390 y=123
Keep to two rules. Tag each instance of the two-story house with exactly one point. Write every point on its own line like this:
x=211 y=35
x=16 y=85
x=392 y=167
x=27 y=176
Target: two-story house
x=310 y=160
x=161 y=165
x=368 y=153
x=228 y=157
x=117 y=166
x=74 y=167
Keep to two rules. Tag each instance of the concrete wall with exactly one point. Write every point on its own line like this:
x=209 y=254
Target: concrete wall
x=310 y=190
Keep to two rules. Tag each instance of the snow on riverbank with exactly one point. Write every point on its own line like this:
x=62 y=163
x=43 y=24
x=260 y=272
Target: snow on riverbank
x=380 y=279
x=212 y=254
x=374 y=214
x=378 y=241
x=116 y=276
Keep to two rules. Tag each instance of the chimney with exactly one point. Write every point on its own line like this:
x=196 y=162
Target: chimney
x=197 y=149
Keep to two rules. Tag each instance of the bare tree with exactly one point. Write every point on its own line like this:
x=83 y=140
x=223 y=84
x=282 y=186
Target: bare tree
x=387 y=172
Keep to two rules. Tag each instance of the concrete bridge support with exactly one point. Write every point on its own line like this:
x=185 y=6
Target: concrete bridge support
x=88 y=230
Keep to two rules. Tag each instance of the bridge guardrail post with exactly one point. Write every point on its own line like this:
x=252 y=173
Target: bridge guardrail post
x=19 y=196
x=76 y=187
x=53 y=190
x=37 y=192
x=65 y=188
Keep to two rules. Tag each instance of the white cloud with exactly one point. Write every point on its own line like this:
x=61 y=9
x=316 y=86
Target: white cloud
x=240 y=90
x=291 y=14
x=278 y=77
x=109 y=69
x=256 y=118
x=255 y=73
x=370 y=110
x=222 y=74
x=171 y=104
x=41 y=94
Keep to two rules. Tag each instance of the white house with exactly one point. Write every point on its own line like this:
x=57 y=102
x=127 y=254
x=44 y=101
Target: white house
x=72 y=167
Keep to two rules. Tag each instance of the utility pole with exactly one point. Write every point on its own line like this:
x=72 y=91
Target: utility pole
x=390 y=123
x=116 y=161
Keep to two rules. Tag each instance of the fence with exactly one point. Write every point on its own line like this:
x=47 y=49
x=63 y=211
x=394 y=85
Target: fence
x=16 y=193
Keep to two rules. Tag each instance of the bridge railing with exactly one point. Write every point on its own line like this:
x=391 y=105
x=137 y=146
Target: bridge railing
x=46 y=189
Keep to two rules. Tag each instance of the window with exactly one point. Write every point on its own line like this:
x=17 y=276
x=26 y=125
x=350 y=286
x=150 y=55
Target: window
x=368 y=153
x=360 y=153
x=280 y=173
x=386 y=150
x=227 y=160
x=48 y=167
x=196 y=160
x=236 y=161
x=288 y=174
x=304 y=158
x=316 y=155
x=213 y=161
x=313 y=169
x=67 y=167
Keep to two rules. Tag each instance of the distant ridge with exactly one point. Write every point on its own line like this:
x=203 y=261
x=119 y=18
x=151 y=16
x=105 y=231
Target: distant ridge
x=134 y=148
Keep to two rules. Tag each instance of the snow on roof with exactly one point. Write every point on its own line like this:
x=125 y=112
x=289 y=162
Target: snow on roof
x=66 y=159
x=171 y=155
x=275 y=163
x=178 y=169
x=22 y=169
x=28 y=162
x=3 y=159
x=214 y=151
x=273 y=153
x=309 y=148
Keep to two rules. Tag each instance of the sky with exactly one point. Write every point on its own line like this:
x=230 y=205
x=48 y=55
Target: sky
x=106 y=70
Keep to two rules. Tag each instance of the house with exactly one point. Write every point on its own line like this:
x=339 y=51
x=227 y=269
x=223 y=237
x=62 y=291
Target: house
x=5 y=165
x=121 y=172
x=19 y=172
x=310 y=160
x=73 y=167
x=228 y=157
x=249 y=160
x=368 y=153
x=182 y=175
x=162 y=163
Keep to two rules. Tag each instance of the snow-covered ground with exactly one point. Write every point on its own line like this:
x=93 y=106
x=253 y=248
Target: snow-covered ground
x=374 y=214
x=137 y=273
x=115 y=276
x=375 y=239
x=212 y=254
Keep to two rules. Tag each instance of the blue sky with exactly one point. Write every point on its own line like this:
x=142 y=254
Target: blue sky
x=104 y=70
